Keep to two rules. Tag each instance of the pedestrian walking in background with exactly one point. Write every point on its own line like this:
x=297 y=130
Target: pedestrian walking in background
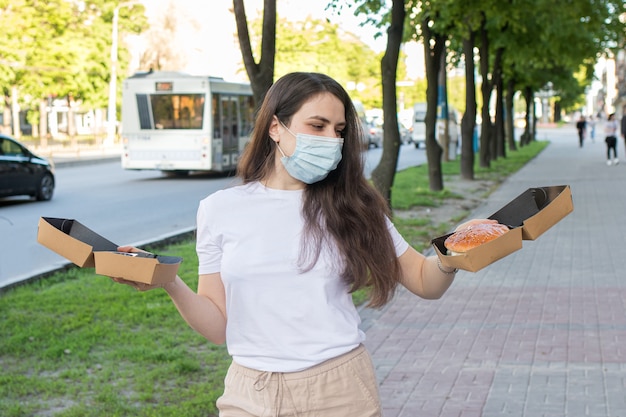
x=610 y=133
x=280 y=255
x=623 y=125
x=581 y=126
x=592 y=128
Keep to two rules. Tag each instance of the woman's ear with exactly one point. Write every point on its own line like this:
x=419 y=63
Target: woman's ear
x=274 y=130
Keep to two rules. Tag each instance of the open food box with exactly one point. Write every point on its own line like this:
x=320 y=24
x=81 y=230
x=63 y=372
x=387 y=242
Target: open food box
x=85 y=248
x=528 y=216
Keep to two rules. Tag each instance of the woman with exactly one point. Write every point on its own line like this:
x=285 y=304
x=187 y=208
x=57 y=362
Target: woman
x=610 y=133
x=280 y=255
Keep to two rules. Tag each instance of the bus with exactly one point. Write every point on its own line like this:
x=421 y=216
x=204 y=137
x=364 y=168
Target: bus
x=178 y=123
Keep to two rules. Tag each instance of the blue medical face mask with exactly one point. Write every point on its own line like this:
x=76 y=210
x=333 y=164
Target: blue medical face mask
x=313 y=158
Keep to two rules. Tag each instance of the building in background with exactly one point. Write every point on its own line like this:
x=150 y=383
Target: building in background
x=620 y=80
x=603 y=97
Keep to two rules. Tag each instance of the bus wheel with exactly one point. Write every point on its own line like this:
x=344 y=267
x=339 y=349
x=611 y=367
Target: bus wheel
x=177 y=173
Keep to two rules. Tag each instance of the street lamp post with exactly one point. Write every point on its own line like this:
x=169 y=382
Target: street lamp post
x=112 y=109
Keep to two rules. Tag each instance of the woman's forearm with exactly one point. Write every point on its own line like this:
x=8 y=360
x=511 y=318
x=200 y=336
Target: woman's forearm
x=199 y=311
x=436 y=278
x=422 y=276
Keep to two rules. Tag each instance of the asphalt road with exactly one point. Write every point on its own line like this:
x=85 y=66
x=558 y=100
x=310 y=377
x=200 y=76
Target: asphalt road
x=126 y=207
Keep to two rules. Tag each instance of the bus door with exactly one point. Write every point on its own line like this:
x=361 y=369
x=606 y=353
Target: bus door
x=230 y=132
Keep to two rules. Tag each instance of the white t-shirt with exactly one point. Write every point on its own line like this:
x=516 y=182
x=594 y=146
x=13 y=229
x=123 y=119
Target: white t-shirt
x=279 y=319
x=610 y=128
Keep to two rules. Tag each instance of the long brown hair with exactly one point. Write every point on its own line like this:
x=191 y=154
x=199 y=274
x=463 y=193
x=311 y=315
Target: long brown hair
x=343 y=204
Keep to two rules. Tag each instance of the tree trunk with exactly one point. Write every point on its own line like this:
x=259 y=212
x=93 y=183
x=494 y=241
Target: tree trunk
x=557 y=111
x=444 y=136
x=434 y=47
x=468 y=123
x=384 y=173
x=510 y=115
x=533 y=134
x=261 y=75
x=485 y=88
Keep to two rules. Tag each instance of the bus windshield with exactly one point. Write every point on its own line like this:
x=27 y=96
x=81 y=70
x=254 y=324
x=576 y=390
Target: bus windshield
x=170 y=111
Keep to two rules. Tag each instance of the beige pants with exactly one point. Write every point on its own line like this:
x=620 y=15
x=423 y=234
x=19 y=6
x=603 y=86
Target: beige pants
x=341 y=387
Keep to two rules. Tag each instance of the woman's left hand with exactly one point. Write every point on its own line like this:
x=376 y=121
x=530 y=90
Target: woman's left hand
x=139 y=286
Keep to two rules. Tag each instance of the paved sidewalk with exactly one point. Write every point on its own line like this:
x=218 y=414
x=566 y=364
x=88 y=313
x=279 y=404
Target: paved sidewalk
x=541 y=332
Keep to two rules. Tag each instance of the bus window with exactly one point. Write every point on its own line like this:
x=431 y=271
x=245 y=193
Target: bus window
x=145 y=122
x=197 y=114
x=175 y=111
x=246 y=107
x=185 y=118
x=215 y=109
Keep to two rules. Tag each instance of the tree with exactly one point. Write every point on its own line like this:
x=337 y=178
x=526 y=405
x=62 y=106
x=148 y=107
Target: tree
x=422 y=17
x=434 y=49
x=486 y=88
x=508 y=35
x=393 y=20
x=567 y=54
x=384 y=173
x=261 y=74
x=63 y=49
x=162 y=52
x=468 y=124
x=321 y=46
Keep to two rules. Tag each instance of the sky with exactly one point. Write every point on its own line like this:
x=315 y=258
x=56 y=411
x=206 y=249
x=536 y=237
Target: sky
x=209 y=30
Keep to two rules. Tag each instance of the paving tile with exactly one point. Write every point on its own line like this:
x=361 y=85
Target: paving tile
x=541 y=332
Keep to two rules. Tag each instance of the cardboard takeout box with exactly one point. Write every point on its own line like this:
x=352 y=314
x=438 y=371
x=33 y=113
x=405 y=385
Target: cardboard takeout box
x=85 y=248
x=529 y=215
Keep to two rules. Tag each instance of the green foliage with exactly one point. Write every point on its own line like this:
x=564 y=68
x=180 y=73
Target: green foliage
x=456 y=93
x=320 y=46
x=539 y=44
x=60 y=48
x=570 y=42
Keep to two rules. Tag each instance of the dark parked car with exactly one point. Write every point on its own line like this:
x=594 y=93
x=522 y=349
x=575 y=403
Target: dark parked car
x=24 y=173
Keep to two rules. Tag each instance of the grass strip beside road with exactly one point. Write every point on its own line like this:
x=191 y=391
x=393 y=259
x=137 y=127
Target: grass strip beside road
x=411 y=190
x=76 y=344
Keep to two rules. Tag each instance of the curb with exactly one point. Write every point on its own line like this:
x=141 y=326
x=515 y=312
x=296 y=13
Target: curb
x=157 y=242
x=71 y=162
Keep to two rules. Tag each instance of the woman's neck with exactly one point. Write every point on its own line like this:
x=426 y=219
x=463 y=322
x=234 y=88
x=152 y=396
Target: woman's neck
x=279 y=179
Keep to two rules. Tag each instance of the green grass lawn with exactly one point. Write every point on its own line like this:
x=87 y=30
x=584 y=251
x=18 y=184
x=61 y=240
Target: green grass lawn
x=76 y=344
